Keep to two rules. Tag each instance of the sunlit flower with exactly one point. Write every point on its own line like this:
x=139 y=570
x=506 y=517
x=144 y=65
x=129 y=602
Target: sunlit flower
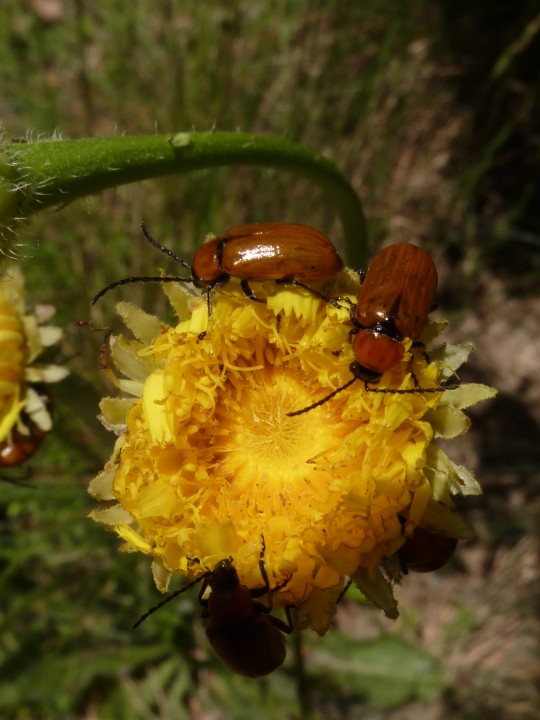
x=208 y=462
x=23 y=338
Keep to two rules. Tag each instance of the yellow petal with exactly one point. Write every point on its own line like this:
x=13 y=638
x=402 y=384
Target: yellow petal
x=145 y=327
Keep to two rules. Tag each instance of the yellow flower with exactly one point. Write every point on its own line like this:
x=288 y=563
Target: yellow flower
x=208 y=461
x=22 y=340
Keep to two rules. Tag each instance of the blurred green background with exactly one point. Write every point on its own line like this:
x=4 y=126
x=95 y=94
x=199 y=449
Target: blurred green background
x=431 y=110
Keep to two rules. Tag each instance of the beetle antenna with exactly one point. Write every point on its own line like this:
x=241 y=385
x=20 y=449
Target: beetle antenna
x=165 y=250
x=129 y=280
x=412 y=391
x=162 y=249
x=323 y=400
x=368 y=388
x=168 y=599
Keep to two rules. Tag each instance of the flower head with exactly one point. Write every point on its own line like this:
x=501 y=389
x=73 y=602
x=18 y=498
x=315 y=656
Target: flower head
x=23 y=338
x=208 y=461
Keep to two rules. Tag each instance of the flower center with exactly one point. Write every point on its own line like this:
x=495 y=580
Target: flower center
x=260 y=443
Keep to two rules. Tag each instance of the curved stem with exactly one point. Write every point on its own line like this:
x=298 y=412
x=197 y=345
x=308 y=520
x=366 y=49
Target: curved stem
x=42 y=174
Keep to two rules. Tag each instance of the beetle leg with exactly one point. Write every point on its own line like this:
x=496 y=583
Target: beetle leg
x=297 y=283
x=341 y=298
x=344 y=591
x=353 y=331
x=285 y=627
x=248 y=292
x=266 y=589
x=211 y=286
x=208 y=302
x=420 y=345
x=221 y=280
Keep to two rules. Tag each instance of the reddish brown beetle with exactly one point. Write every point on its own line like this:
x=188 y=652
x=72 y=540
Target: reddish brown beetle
x=21 y=446
x=393 y=304
x=244 y=635
x=285 y=253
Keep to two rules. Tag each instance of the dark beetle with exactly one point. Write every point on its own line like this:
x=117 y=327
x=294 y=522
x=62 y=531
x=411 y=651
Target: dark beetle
x=244 y=635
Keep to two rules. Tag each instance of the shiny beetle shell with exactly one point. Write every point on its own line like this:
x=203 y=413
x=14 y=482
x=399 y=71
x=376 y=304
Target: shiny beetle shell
x=393 y=304
x=399 y=288
x=273 y=251
x=21 y=446
x=247 y=639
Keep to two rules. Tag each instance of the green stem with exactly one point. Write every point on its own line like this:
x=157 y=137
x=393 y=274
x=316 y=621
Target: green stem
x=34 y=176
x=302 y=685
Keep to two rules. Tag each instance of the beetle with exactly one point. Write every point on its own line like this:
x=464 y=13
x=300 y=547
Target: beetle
x=283 y=252
x=244 y=635
x=20 y=446
x=426 y=551
x=394 y=302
